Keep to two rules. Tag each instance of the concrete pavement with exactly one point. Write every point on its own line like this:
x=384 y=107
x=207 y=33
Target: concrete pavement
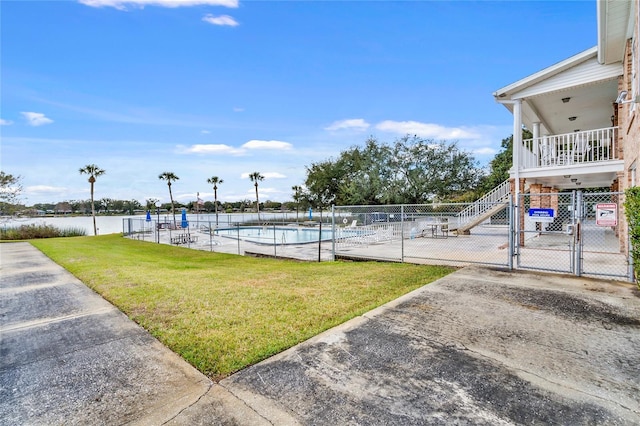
x=479 y=346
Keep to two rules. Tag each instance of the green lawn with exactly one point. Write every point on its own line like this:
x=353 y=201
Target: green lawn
x=224 y=312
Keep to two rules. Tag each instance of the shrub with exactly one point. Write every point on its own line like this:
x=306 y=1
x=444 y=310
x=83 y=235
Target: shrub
x=29 y=232
x=632 y=212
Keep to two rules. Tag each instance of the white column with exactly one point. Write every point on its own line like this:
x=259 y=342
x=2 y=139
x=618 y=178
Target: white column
x=536 y=141
x=517 y=146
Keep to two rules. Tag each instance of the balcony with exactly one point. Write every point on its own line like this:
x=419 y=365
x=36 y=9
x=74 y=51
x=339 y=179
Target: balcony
x=570 y=150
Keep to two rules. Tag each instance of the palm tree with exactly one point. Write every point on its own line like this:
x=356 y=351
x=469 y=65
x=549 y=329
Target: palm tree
x=255 y=177
x=93 y=171
x=296 y=197
x=215 y=181
x=169 y=177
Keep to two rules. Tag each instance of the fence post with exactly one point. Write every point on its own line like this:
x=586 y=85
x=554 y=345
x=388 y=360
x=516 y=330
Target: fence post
x=402 y=233
x=578 y=212
x=238 y=235
x=333 y=232
x=275 y=242
x=512 y=249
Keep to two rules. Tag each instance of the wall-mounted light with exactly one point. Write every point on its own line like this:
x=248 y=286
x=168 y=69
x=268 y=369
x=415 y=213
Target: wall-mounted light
x=566 y=176
x=565 y=100
x=623 y=95
x=574 y=180
x=572 y=118
x=578 y=183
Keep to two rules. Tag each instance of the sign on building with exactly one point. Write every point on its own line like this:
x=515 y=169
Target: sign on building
x=607 y=214
x=542 y=215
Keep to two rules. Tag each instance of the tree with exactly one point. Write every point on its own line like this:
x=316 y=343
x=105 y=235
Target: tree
x=10 y=189
x=256 y=177
x=501 y=163
x=412 y=170
x=170 y=177
x=93 y=171
x=215 y=181
x=297 y=192
x=151 y=204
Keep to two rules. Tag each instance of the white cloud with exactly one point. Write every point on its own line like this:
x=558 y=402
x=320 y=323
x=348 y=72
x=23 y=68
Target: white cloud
x=426 y=130
x=485 y=151
x=44 y=189
x=5 y=122
x=259 y=144
x=209 y=149
x=222 y=20
x=353 y=123
x=123 y=4
x=205 y=132
x=36 y=119
x=238 y=109
x=267 y=175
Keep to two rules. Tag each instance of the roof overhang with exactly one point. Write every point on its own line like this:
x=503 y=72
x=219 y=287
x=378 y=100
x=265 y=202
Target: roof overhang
x=615 y=26
x=587 y=87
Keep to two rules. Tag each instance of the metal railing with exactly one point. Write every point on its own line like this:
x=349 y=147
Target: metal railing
x=588 y=146
x=486 y=203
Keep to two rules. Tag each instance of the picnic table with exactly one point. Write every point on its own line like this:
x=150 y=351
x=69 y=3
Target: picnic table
x=184 y=239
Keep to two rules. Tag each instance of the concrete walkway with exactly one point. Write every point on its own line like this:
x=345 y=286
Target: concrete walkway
x=479 y=346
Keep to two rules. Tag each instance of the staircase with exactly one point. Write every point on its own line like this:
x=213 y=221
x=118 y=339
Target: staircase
x=485 y=207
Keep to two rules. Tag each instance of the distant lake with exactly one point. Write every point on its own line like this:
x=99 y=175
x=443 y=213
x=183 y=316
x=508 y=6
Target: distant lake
x=114 y=224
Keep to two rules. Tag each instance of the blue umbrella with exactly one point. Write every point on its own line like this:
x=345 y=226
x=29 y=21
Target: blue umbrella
x=185 y=223
x=148 y=219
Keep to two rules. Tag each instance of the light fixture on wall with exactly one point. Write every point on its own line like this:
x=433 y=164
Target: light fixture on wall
x=572 y=118
x=574 y=180
x=566 y=176
x=623 y=95
x=565 y=100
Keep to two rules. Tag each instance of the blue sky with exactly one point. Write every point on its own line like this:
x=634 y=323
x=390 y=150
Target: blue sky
x=223 y=88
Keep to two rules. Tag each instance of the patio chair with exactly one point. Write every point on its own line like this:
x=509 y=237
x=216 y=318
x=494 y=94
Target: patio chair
x=580 y=149
x=547 y=152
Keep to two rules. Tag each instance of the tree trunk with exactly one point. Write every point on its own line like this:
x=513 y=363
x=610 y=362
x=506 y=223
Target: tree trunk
x=93 y=208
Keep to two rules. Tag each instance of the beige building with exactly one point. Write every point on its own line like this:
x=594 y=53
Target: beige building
x=584 y=113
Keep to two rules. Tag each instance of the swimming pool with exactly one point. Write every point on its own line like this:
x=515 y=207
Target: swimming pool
x=277 y=235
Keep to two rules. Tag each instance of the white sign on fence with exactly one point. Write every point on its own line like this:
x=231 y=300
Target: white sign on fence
x=607 y=214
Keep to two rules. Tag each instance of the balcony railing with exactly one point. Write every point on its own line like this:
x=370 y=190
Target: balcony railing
x=589 y=146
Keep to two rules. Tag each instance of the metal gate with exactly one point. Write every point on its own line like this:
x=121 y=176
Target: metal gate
x=575 y=233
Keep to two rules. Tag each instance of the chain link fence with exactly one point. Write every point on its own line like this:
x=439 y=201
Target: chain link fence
x=440 y=233
x=571 y=232
x=309 y=239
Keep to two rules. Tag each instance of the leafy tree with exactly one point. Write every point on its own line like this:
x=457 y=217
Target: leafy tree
x=412 y=170
x=323 y=183
x=10 y=189
x=256 y=177
x=215 y=181
x=501 y=164
x=93 y=171
x=432 y=171
x=297 y=194
x=170 y=177
x=151 y=203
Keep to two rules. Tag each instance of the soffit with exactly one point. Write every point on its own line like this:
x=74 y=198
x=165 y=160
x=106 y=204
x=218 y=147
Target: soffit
x=615 y=27
x=590 y=87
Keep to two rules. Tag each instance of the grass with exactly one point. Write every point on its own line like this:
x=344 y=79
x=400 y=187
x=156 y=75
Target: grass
x=223 y=312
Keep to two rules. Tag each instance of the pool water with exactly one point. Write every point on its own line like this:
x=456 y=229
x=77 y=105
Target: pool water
x=271 y=235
